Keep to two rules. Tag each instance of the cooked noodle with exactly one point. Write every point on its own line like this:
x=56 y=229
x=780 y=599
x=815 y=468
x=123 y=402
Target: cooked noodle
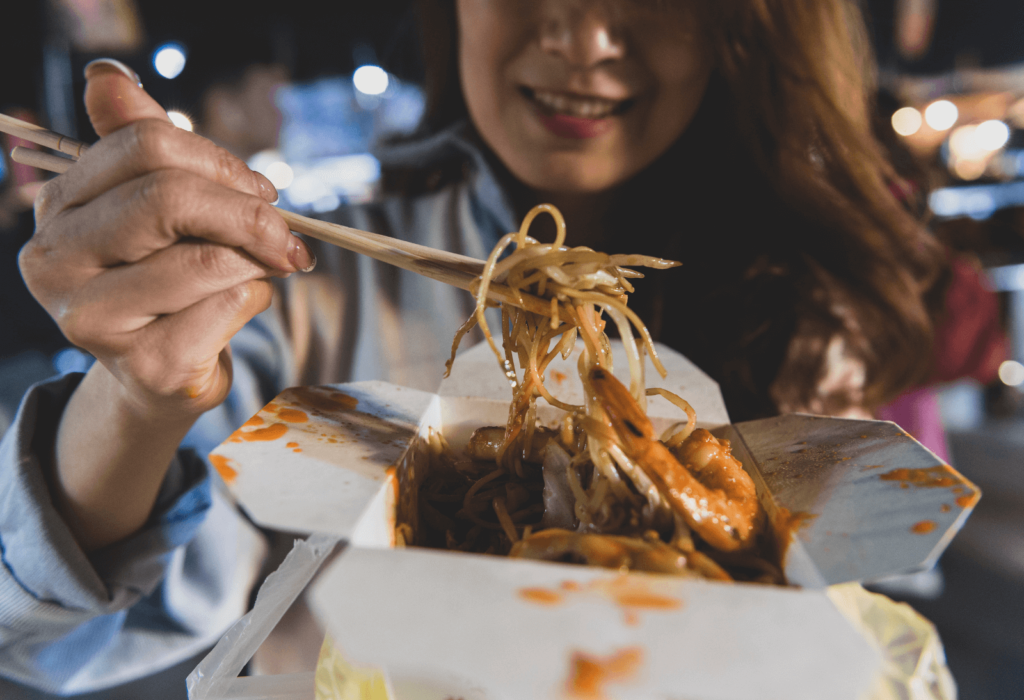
x=588 y=484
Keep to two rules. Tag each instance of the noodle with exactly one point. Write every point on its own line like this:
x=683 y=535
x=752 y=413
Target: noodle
x=501 y=496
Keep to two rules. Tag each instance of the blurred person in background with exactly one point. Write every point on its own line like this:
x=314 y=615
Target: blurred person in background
x=735 y=137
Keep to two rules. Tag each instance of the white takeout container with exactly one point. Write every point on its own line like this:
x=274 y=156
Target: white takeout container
x=451 y=625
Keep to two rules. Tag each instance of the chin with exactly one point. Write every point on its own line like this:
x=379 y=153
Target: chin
x=569 y=175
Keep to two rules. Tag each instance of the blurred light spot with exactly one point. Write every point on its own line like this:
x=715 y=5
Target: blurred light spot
x=906 y=121
x=280 y=174
x=169 y=60
x=370 y=80
x=992 y=135
x=969 y=169
x=941 y=115
x=180 y=120
x=1011 y=373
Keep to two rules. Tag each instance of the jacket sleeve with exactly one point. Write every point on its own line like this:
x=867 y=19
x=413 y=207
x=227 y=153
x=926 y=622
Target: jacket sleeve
x=72 y=622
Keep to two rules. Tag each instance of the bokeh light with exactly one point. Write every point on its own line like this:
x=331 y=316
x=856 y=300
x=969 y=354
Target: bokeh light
x=941 y=115
x=280 y=174
x=370 y=80
x=906 y=121
x=992 y=135
x=180 y=120
x=1011 y=373
x=169 y=60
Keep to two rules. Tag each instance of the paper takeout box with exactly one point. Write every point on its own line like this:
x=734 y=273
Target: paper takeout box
x=856 y=500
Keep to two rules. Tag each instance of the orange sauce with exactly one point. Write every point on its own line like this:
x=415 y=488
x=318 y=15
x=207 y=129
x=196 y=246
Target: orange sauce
x=224 y=467
x=967 y=500
x=253 y=422
x=571 y=586
x=291 y=415
x=785 y=525
x=541 y=596
x=325 y=400
x=923 y=527
x=559 y=377
x=932 y=477
x=589 y=674
x=292 y=444
x=271 y=432
x=945 y=508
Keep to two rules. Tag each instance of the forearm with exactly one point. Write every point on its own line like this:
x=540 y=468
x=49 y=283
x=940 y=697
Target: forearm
x=110 y=458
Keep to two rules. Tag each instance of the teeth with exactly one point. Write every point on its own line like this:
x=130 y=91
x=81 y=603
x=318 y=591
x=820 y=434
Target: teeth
x=586 y=107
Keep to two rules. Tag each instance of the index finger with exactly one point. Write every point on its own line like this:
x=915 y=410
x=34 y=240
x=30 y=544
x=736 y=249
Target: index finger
x=143 y=147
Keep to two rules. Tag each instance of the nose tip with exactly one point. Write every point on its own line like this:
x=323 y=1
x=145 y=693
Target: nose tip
x=584 y=37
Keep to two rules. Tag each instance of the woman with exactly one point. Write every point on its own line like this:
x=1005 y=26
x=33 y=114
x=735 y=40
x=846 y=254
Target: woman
x=731 y=135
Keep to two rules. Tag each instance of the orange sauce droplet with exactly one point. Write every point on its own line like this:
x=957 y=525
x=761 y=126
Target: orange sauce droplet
x=291 y=415
x=571 y=586
x=932 y=477
x=253 y=422
x=297 y=449
x=631 y=618
x=968 y=500
x=649 y=601
x=589 y=674
x=292 y=444
x=923 y=527
x=224 y=467
x=543 y=596
x=559 y=377
x=945 y=508
x=271 y=432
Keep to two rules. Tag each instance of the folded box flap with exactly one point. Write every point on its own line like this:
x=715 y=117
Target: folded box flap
x=862 y=499
x=446 y=625
x=316 y=458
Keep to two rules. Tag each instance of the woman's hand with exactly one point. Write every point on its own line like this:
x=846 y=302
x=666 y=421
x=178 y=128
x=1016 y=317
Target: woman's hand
x=151 y=253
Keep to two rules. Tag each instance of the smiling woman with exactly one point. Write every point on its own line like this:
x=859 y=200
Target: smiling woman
x=579 y=97
x=728 y=134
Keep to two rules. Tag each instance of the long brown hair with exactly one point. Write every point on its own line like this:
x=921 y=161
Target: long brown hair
x=822 y=248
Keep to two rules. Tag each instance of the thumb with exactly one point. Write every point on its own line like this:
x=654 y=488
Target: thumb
x=114 y=97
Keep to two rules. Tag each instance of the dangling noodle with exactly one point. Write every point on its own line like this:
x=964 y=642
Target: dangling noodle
x=494 y=505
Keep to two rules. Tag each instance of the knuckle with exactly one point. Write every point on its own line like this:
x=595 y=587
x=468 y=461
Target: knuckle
x=250 y=298
x=232 y=171
x=217 y=261
x=79 y=325
x=263 y=219
x=152 y=141
x=46 y=199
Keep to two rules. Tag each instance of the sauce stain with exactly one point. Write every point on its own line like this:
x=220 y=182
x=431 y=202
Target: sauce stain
x=631 y=595
x=291 y=415
x=224 y=467
x=968 y=500
x=923 y=527
x=559 y=377
x=945 y=508
x=292 y=444
x=932 y=477
x=541 y=596
x=330 y=401
x=253 y=422
x=271 y=432
x=589 y=673
x=785 y=526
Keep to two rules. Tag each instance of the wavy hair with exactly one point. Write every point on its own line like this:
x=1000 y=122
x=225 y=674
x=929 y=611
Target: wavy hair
x=785 y=132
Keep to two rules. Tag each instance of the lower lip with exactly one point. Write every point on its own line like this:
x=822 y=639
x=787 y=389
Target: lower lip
x=575 y=127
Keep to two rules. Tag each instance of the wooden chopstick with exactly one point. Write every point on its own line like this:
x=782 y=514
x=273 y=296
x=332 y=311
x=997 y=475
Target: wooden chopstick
x=451 y=268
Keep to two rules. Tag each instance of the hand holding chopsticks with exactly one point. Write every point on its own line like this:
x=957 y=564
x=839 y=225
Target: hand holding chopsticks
x=451 y=268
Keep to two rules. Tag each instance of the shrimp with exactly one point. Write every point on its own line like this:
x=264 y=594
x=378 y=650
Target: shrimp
x=713 y=494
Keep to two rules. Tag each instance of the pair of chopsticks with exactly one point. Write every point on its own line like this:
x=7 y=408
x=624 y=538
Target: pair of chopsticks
x=451 y=268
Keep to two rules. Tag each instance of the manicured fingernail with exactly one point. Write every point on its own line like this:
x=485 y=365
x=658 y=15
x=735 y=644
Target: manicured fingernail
x=101 y=65
x=267 y=189
x=301 y=256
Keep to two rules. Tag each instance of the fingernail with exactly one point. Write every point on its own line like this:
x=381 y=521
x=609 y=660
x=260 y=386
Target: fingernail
x=101 y=65
x=267 y=189
x=301 y=256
